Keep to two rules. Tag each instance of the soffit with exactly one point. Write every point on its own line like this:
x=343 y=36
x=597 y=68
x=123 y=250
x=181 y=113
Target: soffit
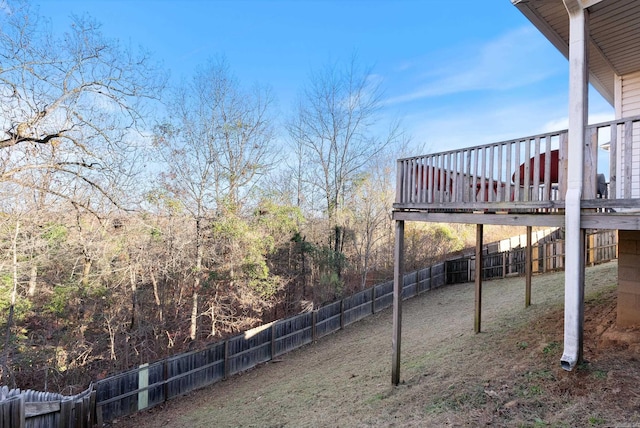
x=614 y=33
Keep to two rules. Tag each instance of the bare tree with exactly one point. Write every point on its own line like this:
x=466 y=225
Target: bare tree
x=71 y=107
x=336 y=127
x=215 y=146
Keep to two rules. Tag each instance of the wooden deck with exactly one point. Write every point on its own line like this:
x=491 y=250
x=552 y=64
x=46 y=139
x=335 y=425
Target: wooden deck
x=523 y=181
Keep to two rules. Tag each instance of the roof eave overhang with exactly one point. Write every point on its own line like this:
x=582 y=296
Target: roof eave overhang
x=532 y=15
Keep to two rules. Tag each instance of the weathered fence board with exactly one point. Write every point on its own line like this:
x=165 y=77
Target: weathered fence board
x=438 y=275
x=247 y=351
x=117 y=395
x=384 y=296
x=424 y=280
x=358 y=306
x=35 y=409
x=328 y=319
x=293 y=333
x=458 y=270
x=409 y=287
x=186 y=372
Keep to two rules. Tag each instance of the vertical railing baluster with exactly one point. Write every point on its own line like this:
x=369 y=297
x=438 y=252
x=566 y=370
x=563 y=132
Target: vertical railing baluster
x=431 y=190
x=509 y=195
x=447 y=177
x=501 y=181
x=483 y=176
x=516 y=181
x=547 y=169
x=627 y=145
x=492 y=184
x=536 y=169
x=456 y=175
x=466 y=175
x=590 y=168
x=474 y=177
x=423 y=179
x=527 y=170
x=412 y=179
x=441 y=183
x=613 y=162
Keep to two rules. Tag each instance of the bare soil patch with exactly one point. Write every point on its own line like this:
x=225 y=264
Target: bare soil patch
x=509 y=375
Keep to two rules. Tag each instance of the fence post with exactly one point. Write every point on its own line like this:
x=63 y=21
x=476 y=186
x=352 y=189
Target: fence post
x=341 y=314
x=314 y=320
x=273 y=340
x=504 y=264
x=226 y=359
x=444 y=272
x=373 y=299
x=143 y=382
x=431 y=277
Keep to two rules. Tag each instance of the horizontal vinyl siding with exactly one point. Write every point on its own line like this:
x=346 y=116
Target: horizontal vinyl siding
x=631 y=95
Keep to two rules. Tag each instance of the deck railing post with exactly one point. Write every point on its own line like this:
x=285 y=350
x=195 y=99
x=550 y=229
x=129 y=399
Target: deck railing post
x=399 y=176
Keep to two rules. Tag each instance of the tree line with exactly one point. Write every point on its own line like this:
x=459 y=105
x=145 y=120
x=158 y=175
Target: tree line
x=141 y=218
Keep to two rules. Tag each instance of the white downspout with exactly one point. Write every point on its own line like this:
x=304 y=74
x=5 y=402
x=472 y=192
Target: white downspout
x=578 y=109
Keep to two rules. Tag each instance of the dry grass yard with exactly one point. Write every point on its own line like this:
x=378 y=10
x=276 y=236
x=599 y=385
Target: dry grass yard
x=509 y=375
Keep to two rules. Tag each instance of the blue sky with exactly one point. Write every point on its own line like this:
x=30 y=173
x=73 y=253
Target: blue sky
x=456 y=73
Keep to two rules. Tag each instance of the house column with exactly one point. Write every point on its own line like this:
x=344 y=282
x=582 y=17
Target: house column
x=574 y=255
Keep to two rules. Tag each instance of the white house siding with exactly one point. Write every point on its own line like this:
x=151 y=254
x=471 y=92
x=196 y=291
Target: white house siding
x=628 y=106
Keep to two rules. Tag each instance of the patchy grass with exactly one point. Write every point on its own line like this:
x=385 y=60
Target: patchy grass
x=507 y=376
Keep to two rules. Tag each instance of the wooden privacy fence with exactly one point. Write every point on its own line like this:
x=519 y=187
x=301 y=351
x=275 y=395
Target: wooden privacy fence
x=152 y=384
x=547 y=255
x=33 y=409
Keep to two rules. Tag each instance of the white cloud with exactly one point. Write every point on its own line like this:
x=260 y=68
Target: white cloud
x=518 y=58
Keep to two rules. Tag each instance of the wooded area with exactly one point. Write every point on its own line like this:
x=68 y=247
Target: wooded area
x=141 y=219
x=156 y=382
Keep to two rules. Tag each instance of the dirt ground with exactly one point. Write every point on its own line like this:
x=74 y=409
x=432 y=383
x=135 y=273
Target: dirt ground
x=508 y=375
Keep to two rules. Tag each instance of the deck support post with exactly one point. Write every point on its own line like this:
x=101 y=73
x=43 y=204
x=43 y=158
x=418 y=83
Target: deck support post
x=528 y=268
x=478 y=306
x=578 y=109
x=398 y=280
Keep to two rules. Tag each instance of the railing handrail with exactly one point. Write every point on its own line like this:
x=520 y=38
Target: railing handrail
x=530 y=137
x=620 y=121
x=482 y=146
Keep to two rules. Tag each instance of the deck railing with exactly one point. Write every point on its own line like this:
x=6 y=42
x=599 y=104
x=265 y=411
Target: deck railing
x=528 y=172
